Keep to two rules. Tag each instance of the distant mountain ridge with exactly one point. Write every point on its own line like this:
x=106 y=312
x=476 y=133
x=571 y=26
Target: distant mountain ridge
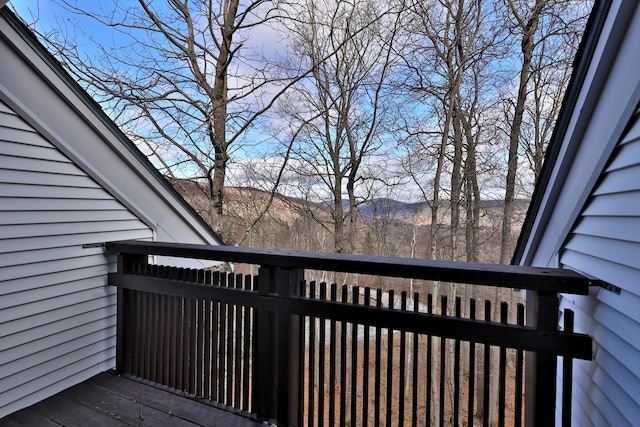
x=284 y=206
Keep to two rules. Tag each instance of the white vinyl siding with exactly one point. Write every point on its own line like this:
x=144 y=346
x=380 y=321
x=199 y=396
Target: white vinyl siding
x=605 y=244
x=57 y=314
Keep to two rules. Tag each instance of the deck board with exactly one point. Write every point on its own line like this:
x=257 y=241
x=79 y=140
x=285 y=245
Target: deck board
x=110 y=400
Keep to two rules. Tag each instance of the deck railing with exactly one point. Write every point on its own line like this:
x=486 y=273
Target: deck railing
x=304 y=353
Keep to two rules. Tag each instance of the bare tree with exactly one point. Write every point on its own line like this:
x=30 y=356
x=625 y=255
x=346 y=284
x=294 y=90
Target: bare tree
x=428 y=58
x=448 y=47
x=182 y=78
x=527 y=24
x=551 y=69
x=340 y=106
x=540 y=26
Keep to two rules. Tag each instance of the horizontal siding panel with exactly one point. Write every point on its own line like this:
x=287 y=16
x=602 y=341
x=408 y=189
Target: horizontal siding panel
x=4 y=108
x=620 y=181
x=620 y=349
x=620 y=275
x=598 y=399
x=585 y=411
x=582 y=403
x=29 y=365
x=612 y=205
x=33 y=295
x=74 y=239
x=46 y=204
x=57 y=369
x=624 y=228
x=623 y=378
x=58 y=302
x=43 y=191
x=94 y=275
x=9 y=358
x=8 y=259
x=633 y=131
x=581 y=306
x=30 y=151
x=579 y=418
x=50 y=179
x=58 y=383
x=616 y=323
x=615 y=251
x=610 y=399
x=91 y=324
x=64 y=229
x=604 y=336
x=61 y=268
x=37 y=165
x=37 y=338
x=22 y=138
x=625 y=156
x=12 y=121
x=62 y=217
x=19 y=325
x=626 y=302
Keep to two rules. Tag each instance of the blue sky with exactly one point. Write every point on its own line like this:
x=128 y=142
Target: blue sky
x=48 y=14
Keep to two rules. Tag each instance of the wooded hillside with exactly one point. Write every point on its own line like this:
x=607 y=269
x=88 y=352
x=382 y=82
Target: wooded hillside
x=386 y=227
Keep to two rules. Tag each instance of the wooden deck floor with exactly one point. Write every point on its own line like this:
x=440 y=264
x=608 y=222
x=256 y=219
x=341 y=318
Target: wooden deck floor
x=111 y=400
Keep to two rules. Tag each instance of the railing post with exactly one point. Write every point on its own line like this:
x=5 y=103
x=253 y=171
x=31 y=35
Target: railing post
x=541 y=368
x=277 y=372
x=567 y=373
x=125 y=265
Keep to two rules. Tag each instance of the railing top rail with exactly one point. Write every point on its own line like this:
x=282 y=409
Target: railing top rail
x=512 y=276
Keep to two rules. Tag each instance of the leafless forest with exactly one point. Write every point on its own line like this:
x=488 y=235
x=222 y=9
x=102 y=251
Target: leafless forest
x=411 y=128
x=342 y=106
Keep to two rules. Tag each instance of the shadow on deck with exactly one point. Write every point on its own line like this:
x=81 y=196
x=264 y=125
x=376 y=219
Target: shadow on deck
x=111 y=400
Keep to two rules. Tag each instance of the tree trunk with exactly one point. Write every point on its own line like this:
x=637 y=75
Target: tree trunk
x=456 y=183
x=220 y=99
x=353 y=209
x=472 y=197
x=338 y=217
x=528 y=33
x=435 y=204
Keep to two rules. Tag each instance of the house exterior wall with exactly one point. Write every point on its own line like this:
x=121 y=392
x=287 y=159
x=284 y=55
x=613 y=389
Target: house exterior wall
x=68 y=177
x=605 y=243
x=57 y=316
